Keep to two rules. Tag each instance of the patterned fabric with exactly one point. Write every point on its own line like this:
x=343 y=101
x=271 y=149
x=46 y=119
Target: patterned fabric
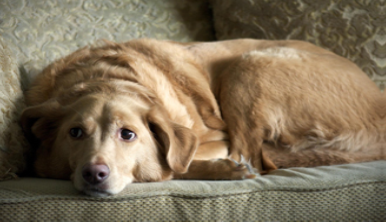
x=39 y=32
x=353 y=29
x=354 y=192
x=12 y=141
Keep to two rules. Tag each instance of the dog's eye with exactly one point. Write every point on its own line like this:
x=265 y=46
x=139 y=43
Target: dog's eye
x=128 y=135
x=76 y=132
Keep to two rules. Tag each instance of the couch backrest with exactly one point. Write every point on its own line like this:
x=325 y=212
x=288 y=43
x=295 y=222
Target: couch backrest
x=353 y=29
x=39 y=32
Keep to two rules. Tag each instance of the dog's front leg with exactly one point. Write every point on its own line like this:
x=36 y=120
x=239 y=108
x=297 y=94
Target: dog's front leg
x=218 y=169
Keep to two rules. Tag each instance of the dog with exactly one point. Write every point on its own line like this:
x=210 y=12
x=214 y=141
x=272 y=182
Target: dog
x=149 y=110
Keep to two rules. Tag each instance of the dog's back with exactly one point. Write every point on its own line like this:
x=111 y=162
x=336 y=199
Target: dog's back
x=297 y=97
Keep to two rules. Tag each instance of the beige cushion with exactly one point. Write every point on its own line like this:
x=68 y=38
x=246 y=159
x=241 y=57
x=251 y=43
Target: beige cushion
x=39 y=32
x=353 y=29
x=12 y=141
x=353 y=192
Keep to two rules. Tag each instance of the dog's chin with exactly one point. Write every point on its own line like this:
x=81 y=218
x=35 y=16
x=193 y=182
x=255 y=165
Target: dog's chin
x=108 y=188
x=97 y=193
x=101 y=190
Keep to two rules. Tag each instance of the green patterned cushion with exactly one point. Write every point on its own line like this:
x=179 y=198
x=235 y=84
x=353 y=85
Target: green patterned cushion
x=353 y=29
x=39 y=32
x=353 y=192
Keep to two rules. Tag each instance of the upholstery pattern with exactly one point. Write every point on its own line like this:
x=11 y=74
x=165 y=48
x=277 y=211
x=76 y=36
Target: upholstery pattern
x=12 y=141
x=353 y=29
x=38 y=32
x=352 y=192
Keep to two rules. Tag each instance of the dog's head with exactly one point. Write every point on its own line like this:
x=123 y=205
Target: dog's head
x=107 y=141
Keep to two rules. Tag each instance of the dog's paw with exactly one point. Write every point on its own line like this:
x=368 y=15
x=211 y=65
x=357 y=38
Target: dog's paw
x=232 y=170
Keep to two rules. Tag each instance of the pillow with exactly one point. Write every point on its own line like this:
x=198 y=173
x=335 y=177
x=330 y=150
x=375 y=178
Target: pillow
x=40 y=32
x=12 y=141
x=352 y=29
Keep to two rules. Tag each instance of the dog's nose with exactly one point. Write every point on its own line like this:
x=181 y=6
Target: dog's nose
x=95 y=173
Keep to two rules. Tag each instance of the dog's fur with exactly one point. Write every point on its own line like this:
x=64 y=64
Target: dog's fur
x=276 y=103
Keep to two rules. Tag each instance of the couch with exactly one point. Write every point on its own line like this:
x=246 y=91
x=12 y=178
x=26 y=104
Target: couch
x=34 y=33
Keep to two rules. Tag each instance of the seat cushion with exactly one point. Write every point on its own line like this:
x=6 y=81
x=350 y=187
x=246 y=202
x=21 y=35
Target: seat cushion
x=352 y=192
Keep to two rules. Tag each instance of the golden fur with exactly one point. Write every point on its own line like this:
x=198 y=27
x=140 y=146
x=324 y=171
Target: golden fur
x=191 y=106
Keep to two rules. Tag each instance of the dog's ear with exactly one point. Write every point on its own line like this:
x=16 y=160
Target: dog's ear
x=39 y=122
x=178 y=142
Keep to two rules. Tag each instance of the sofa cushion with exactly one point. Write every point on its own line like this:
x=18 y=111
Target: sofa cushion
x=38 y=32
x=352 y=29
x=351 y=192
x=12 y=141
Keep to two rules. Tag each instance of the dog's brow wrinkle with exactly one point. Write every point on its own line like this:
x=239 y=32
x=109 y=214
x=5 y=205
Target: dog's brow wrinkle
x=77 y=112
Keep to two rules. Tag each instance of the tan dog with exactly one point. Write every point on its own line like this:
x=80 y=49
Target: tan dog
x=150 y=110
